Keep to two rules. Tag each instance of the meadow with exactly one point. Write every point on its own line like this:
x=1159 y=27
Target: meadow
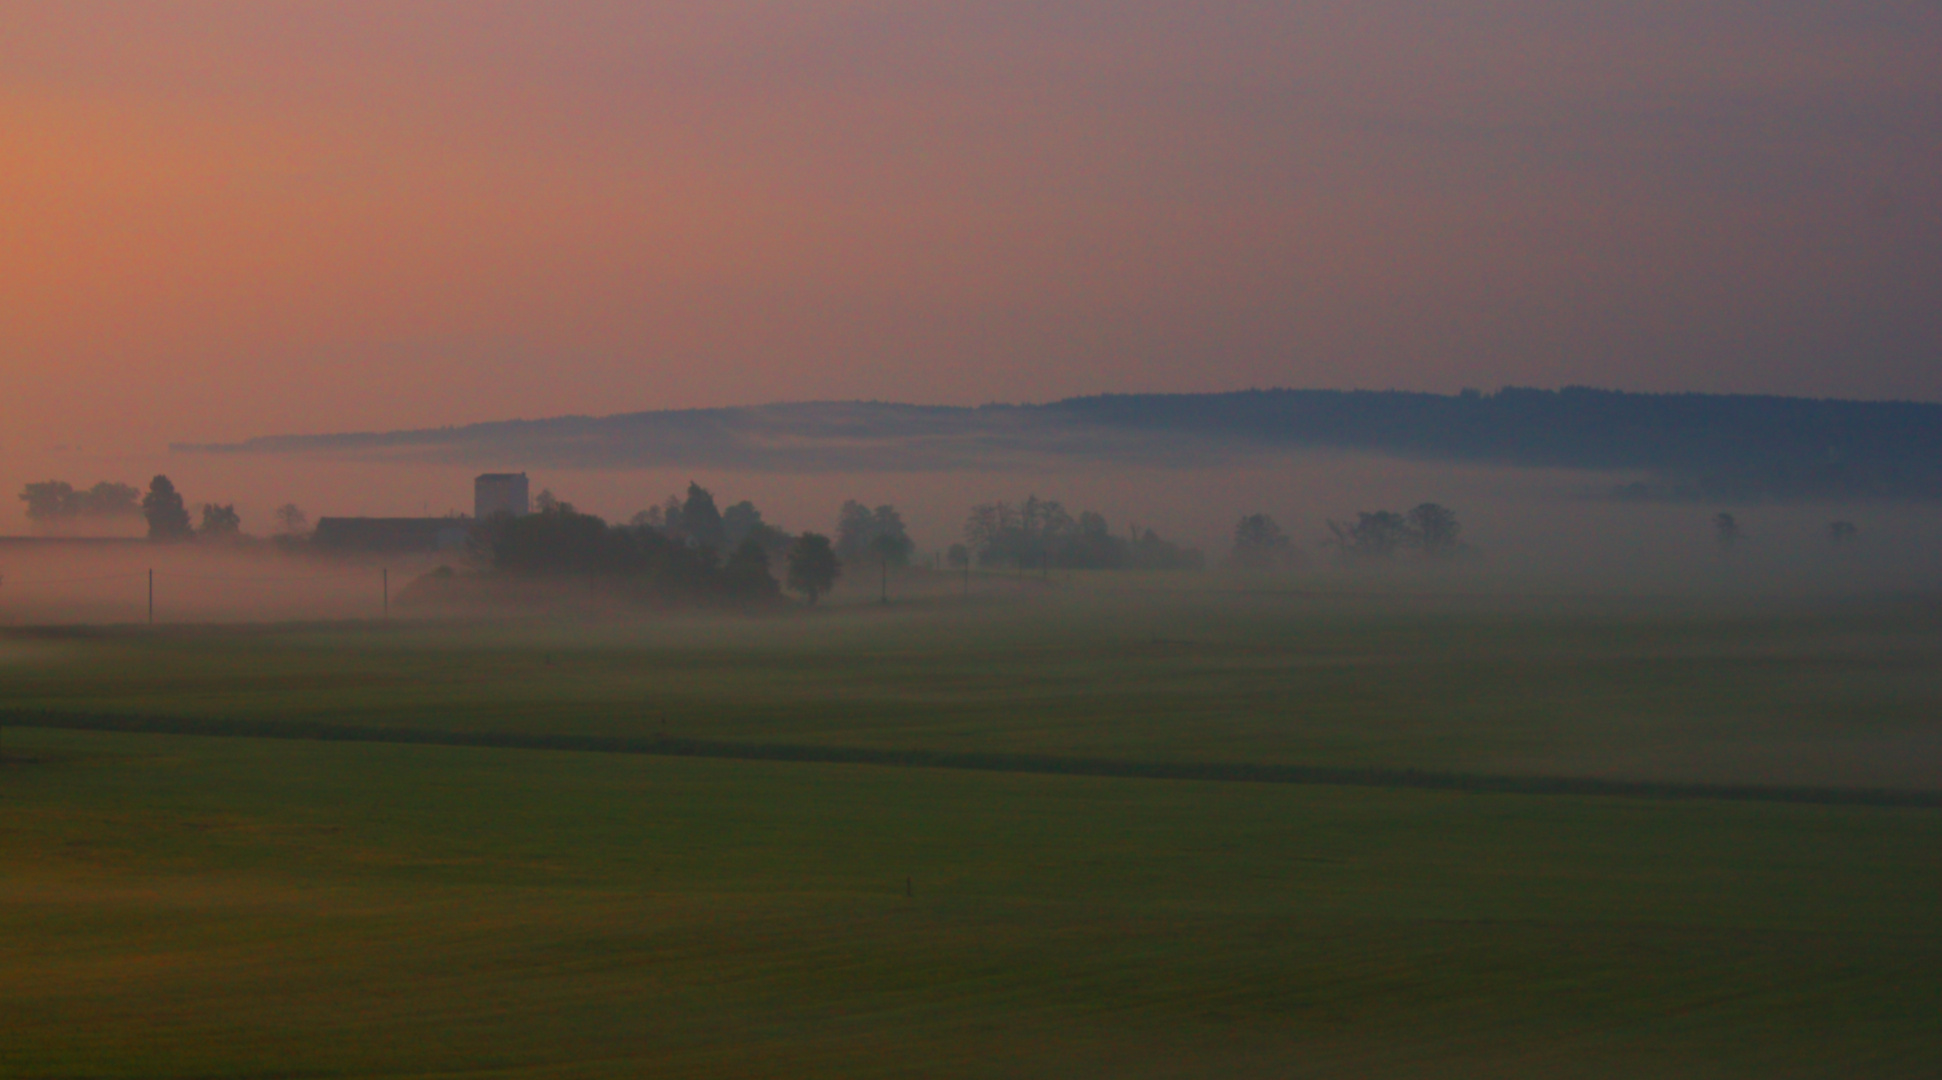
x=1569 y=836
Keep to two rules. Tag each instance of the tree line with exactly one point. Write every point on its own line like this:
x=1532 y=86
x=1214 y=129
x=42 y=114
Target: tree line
x=57 y=500
x=1705 y=447
x=688 y=550
x=162 y=507
x=1042 y=534
x=1373 y=536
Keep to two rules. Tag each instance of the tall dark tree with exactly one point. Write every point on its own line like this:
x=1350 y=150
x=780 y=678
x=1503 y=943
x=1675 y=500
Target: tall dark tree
x=1433 y=529
x=168 y=518
x=1842 y=533
x=701 y=520
x=291 y=519
x=813 y=566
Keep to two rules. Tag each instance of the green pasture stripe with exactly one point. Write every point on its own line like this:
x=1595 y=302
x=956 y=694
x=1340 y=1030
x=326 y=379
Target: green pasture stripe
x=1237 y=772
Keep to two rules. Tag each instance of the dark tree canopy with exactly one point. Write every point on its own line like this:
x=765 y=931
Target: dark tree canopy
x=874 y=535
x=1022 y=535
x=1433 y=530
x=696 y=520
x=813 y=566
x=49 y=500
x=743 y=522
x=1373 y=535
x=55 y=500
x=746 y=574
x=219 y=522
x=556 y=540
x=642 y=562
x=701 y=520
x=1842 y=532
x=1039 y=533
x=1430 y=529
x=738 y=521
x=1148 y=551
x=1259 y=543
x=291 y=519
x=168 y=517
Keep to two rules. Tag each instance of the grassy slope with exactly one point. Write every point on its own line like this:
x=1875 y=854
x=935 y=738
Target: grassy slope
x=176 y=906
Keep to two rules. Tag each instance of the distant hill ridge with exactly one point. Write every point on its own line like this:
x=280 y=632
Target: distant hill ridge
x=1691 y=445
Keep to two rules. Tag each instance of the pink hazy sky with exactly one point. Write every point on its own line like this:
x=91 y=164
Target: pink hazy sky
x=227 y=219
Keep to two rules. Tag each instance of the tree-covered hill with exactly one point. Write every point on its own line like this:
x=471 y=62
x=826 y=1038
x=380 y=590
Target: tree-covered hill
x=1701 y=446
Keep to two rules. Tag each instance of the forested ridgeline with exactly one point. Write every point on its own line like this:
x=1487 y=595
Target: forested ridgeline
x=1689 y=446
x=1699 y=446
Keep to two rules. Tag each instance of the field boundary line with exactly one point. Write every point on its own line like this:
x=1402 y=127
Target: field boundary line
x=1038 y=764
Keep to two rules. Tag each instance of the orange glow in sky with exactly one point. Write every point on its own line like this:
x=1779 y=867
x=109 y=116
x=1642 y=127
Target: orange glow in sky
x=227 y=219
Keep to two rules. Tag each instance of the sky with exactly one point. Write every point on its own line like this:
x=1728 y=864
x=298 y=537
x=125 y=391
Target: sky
x=220 y=220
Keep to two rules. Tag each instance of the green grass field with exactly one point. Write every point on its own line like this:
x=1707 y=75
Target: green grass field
x=182 y=905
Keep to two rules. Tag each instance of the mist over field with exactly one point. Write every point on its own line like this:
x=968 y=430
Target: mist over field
x=806 y=540
x=1524 y=530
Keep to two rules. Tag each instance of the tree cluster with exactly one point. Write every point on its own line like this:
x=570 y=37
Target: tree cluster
x=1259 y=544
x=58 y=500
x=1040 y=533
x=168 y=516
x=686 y=551
x=695 y=519
x=1430 y=530
x=866 y=535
